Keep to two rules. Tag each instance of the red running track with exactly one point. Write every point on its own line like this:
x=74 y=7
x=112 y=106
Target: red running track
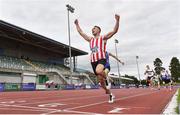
x=128 y=101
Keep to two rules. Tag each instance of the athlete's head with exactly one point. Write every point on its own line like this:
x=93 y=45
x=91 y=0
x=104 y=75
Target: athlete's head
x=163 y=69
x=96 y=30
x=147 y=66
x=167 y=71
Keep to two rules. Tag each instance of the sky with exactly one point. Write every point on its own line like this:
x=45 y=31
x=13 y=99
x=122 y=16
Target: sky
x=148 y=28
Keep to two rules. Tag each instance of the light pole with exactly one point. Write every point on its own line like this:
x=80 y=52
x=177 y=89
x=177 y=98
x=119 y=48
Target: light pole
x=70 y=9
x=116 y=41
x=137 y=57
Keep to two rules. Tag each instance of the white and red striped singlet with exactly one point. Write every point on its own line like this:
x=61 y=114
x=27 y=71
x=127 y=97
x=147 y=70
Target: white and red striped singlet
x=98 y=48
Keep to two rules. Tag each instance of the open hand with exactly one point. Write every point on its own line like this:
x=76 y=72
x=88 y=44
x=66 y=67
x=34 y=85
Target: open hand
x=76 y=22
x=122 y=63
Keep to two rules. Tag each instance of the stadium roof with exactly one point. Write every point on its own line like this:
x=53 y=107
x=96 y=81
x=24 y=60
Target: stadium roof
x=13 y=32
x=121 y=77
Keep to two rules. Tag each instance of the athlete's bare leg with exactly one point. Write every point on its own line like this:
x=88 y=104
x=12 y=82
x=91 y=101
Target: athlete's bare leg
x=106 y=71
x=108 y=79
x=101 y=77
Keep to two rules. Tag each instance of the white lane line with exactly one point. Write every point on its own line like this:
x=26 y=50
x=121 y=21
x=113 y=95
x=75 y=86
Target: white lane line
x=129 y=106
x=80 y=112
x=68 y=99
x=28 y=107
x=24 y=109
x=67 y=111
x=54 y=111
x=51 y=105
x=117 y=110
x=39 y=109
x=12 y=102
x=50 y=112
x=171 y=106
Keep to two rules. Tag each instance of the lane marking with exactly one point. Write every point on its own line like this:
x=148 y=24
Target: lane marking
x=68 y=99
x=28 y=107
x=80 y=112
x=67 y=111
x=24 y=109
x=117 y=110
x=12 y=102
x=51 y=105
x=131 y=107
x=50 y=112
x=8 y=102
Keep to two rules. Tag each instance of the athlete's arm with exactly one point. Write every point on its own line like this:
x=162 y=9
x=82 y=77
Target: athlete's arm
x=153 y=72
x=116 y=27
x=145 y=72
x=110 y=54
x=86 y=37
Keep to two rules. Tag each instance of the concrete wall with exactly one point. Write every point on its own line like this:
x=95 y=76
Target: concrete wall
x=10 y=78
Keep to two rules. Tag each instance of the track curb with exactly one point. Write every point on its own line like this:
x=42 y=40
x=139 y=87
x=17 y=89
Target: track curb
x=171 y=106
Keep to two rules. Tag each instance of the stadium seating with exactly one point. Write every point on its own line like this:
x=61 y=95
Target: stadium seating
x=22 y=64
x=13 y=63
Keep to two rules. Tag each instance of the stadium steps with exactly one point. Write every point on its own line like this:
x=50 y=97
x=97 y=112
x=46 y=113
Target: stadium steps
x=31 y=64
x=46 y=68
x=87 y=76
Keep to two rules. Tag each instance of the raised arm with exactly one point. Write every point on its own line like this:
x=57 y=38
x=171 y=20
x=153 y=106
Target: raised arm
x=87 y=38
x=154 y=72
x=145 y=72
x=116 y=27
x=110 y=54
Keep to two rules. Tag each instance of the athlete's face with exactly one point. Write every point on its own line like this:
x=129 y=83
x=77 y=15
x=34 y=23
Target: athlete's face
x=147 y=66
x=95 y=30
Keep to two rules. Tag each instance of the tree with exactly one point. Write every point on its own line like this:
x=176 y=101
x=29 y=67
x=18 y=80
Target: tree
x=175 y=68
x=158 y=66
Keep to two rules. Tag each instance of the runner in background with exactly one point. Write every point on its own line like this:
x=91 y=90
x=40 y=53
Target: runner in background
x=107 y=69
x=149 y=74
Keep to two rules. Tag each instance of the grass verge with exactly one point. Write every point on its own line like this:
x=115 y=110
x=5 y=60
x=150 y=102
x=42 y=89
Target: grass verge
x=178 y=102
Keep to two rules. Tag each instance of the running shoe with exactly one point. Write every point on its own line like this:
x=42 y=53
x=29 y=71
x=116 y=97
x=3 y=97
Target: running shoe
x=111 y=98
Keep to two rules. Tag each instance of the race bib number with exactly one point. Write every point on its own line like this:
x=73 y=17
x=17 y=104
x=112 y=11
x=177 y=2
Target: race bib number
x=94 y=49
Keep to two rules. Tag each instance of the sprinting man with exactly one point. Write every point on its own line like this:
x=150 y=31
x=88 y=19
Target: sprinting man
x=108 y=68
x=166 y=78
x=98 y=48
x=149 y=73
x=156 y=81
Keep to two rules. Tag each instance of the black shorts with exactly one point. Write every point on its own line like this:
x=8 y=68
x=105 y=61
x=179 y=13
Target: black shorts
x=167 y=81
x=94 y=64
x=149 y=77
x=108 y=67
